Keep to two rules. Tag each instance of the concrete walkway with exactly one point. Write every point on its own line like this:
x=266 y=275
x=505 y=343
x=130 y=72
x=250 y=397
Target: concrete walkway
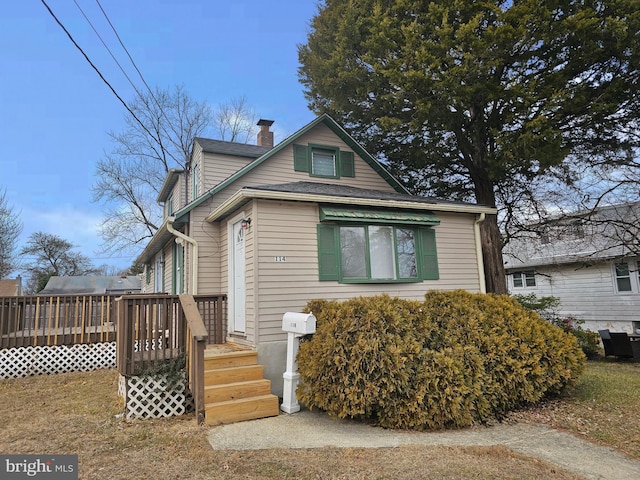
x=316 y=430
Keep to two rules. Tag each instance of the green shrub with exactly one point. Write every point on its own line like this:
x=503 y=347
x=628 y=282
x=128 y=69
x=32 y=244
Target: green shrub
x=452 y=360
x=547 y=308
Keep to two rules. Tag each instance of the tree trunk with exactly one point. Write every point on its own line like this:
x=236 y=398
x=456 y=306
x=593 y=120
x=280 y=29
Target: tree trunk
x=492 y=255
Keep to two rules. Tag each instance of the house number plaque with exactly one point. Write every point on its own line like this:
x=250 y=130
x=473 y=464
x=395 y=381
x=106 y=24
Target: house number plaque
x=280 y=259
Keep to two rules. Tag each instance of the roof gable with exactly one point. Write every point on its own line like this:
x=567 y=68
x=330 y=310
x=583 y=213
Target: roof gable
x=323 y=119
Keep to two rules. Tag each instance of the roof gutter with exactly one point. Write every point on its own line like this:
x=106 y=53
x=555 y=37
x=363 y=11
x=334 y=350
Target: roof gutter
x=479 y=257
x=194 y=259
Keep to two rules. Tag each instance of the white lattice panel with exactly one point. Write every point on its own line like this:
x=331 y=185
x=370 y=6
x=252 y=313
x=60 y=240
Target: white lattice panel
x=122 y=386
x=151 y=397
x=46 y=360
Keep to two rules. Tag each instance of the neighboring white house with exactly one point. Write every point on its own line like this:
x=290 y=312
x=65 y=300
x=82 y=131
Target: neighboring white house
x=589 y=261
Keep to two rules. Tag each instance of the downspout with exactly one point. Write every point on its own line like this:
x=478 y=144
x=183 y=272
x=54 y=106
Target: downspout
x=194 y=260
x=479 y=257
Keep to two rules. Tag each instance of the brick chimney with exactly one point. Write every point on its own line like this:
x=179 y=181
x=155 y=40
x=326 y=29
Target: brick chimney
x=265 y=136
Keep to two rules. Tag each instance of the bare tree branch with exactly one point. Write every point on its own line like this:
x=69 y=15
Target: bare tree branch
x=10 y=229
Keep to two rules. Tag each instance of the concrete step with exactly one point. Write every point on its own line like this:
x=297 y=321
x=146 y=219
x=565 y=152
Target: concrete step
x=243 y=409
x=236 y=390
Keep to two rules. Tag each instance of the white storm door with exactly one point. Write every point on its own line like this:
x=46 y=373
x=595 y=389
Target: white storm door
x=238 y=279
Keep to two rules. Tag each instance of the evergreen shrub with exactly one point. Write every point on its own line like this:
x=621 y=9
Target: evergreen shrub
x=454 y=359
x=547 y=307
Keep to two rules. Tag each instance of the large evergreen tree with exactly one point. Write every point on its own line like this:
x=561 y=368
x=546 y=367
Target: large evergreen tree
x=480 y=100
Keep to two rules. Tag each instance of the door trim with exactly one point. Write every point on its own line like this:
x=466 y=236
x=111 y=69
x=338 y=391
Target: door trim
x=231 y=287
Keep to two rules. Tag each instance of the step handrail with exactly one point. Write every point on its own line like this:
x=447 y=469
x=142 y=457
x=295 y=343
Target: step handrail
x=196 y=337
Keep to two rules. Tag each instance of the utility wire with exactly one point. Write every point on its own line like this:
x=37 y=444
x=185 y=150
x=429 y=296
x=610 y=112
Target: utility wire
x=127 y=52
x=155 y=99
x=97 y=71
x=105 y=46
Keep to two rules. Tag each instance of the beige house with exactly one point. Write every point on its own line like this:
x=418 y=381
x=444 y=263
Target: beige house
x=314 y=216
x=11 y=287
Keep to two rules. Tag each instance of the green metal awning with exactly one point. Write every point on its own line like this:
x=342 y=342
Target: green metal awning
x=336 y=214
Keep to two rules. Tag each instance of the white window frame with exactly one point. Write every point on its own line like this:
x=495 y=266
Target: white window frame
x=633 y=279
x=525 y=277
x=327 y=154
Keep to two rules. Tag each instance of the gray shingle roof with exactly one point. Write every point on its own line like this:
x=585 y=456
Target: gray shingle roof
x=231 y=148
x=335 y=190
x=109 y=284
x=587 y=237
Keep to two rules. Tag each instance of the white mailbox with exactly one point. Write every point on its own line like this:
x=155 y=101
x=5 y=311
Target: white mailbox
x=296 y=325
x=300 y=323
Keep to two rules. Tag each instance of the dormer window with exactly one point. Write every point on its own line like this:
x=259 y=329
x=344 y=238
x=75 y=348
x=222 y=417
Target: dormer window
x=323 y=161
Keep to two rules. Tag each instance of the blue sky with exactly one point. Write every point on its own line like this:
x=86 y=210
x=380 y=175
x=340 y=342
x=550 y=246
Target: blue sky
x=55 y=111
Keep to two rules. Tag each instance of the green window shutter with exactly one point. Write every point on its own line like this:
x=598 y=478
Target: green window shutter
x=328 y=250
x=429 y=254
x=300 y=158
x=347 y=168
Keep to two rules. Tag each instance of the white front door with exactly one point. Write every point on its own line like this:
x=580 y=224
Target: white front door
x=237 y=287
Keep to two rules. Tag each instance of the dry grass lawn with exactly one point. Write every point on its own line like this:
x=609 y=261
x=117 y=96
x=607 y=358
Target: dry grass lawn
x=603 y=408
x=75 y=413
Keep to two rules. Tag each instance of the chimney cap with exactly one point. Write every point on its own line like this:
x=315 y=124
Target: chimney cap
x=265 y=123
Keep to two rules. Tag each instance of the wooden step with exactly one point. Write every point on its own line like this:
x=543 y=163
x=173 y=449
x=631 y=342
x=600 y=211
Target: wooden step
x=237 y=390
x=220 y=376
x=243 y=409
x=231 y=359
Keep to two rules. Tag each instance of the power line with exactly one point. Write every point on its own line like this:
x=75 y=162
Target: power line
x=160 y=108
x=105 y=46
x=97 y=70
x=127 y=52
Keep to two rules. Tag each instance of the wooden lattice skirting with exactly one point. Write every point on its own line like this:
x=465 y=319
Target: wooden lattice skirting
x=45 y=360
x=154 y=396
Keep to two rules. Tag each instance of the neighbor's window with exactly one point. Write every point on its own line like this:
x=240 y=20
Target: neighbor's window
x=524 y=279
x=623 y=277
x=376 y=253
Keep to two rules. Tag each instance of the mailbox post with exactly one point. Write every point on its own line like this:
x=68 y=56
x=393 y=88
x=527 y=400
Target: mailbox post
x=296 y=325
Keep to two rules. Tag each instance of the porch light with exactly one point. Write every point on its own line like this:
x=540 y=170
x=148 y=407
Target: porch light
x=246 y=223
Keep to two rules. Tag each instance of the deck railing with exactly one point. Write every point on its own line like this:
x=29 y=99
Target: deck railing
x=56 y=320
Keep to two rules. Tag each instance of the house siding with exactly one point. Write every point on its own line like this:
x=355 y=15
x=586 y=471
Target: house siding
x=168 y=268
x=586 y=292
x=220 y=167
x=289 y=230
x=208 y=237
